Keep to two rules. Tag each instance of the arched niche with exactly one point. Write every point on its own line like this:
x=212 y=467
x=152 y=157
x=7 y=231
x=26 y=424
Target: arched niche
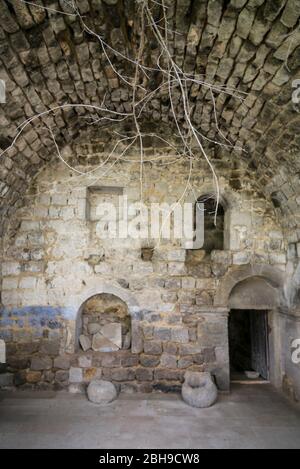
x=272 y=277
x=97 y=287
x=104 y=322
x=76 y=304
x=228 y=200
x=254 y=293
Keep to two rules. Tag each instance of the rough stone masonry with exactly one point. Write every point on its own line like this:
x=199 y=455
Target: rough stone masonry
x=178 y=302
x=56 y=260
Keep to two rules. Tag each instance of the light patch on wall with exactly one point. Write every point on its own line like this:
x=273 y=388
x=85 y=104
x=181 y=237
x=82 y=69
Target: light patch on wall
x=296 y=94
x=2 y=351
x=296 y=352
x=2 y=92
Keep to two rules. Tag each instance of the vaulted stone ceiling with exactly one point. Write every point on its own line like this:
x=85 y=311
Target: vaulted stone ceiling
x=47 y=60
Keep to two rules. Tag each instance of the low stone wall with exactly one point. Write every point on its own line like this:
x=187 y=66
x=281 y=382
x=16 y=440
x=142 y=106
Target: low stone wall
x=160 y=365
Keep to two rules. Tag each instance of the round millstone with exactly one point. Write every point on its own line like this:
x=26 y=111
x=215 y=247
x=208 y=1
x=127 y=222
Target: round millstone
x=101 y=392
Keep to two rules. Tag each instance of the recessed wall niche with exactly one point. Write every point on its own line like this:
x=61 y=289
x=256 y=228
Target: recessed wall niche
x=99 y=198
x=106 y=324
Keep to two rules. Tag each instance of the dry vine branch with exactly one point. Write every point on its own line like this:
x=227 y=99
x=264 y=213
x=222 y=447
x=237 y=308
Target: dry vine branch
x=174 y=79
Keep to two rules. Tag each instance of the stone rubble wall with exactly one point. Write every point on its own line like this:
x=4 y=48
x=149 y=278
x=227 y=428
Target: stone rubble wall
x=252 y=45
x=45 y=61
x=54 y=257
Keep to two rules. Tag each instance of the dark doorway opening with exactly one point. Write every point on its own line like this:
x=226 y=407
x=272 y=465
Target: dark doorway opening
x=248 y=344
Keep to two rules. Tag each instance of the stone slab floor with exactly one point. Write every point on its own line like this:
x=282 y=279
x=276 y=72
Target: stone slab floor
x=250 y=417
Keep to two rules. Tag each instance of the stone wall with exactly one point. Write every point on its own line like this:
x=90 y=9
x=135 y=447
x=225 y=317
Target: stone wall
x=54 y=262
x=47 y=60
x=290 y=331
x=51 y=263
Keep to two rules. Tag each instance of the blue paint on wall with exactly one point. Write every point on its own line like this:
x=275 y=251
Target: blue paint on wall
x=35 y=316
x=5 y=334
x=5 y=321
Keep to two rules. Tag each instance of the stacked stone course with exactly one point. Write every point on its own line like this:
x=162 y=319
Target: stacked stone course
x=176 y=325
x=46 y=60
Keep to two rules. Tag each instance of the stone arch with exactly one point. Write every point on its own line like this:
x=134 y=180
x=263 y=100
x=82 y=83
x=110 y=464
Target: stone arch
x=97 y=287
x=77 y=302
x=292 y=287
x=254 y=293
x=272 y=276
x=228 y=200
x=108 y=314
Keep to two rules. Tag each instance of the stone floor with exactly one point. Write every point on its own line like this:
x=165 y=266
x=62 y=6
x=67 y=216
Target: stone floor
x=250 y=417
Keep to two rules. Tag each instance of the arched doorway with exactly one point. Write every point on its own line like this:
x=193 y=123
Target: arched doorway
x=252 y=303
